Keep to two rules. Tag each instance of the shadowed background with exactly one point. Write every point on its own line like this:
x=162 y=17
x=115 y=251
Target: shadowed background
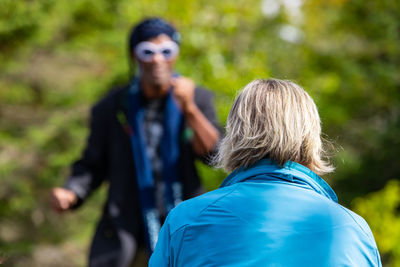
x=57 y=58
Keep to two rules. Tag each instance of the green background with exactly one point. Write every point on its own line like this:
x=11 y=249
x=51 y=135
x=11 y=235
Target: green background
x=57 y=58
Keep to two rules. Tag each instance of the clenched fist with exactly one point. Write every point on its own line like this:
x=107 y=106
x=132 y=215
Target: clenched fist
x=184 y=92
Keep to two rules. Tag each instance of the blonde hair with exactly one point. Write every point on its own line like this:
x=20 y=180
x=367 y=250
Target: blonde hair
x=272 y=119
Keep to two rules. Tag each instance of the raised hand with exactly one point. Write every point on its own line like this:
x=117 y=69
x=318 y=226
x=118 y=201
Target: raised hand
x=184 y=92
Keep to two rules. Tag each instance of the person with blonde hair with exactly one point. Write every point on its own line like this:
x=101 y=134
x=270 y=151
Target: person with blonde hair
x=273 y=209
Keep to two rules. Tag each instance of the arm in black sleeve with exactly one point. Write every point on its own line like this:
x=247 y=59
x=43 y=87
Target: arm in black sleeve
x=205 y=102
x=89 y=171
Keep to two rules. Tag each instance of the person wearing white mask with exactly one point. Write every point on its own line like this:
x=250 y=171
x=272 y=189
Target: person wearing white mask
x=144 y=139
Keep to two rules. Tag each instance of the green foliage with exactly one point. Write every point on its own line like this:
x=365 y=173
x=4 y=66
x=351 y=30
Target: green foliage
x=357 y=59
x=381 y=210
x=57 y=58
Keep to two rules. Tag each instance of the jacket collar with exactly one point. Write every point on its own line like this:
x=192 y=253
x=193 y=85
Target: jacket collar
x=292 y=172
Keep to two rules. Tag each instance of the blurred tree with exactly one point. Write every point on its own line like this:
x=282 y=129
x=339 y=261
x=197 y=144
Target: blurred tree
x=353 y=58
x=380 y=209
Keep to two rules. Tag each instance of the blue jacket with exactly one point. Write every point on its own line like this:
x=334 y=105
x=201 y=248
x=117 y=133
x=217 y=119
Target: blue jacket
x=266 y=215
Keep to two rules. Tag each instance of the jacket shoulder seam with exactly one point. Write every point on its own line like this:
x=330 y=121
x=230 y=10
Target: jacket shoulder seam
x=205 y=208
x=359 y=225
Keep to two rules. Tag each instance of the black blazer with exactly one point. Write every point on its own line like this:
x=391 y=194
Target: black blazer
x=108 y=157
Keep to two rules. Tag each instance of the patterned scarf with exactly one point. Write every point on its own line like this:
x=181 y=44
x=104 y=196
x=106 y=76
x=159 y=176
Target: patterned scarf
x=144 y=172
